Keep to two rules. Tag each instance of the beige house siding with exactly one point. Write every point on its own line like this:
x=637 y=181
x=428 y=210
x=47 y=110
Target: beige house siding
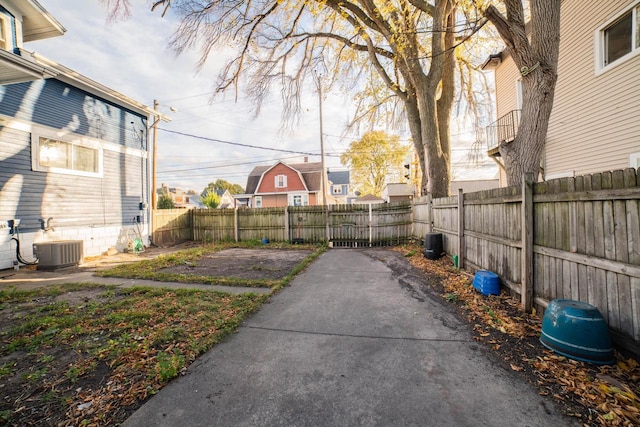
x=595 y=122
x=506 y=76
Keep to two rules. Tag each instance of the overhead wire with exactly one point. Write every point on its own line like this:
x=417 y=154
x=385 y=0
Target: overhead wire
x=238 y=144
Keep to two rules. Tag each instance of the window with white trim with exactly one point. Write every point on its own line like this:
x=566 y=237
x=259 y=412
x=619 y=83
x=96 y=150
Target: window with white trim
x=257 y=202
x=281 y=181
x=519 y=93
x=337 y=189
x=634 y=160
x=4 y=32
x=65 y=155
x=298 y=200
x=618 y=39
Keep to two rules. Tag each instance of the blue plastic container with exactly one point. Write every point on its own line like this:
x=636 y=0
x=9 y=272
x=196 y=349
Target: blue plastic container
x=486 y=282
x=577 y=330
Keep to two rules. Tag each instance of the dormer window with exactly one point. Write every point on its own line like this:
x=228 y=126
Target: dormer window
x=281 y=181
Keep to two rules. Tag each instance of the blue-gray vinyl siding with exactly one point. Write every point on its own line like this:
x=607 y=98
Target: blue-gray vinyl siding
x=71 y=200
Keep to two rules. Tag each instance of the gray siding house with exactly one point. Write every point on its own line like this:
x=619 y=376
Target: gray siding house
x=74 y=154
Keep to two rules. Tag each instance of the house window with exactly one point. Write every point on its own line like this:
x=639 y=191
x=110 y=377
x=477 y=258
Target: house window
x=257 y=201
x=281 y=181
x=519 y=93
x=76 y=157
x=298 y=200
x=634 y=160
x=5 y=35
x=619 y=38
x=337 y=189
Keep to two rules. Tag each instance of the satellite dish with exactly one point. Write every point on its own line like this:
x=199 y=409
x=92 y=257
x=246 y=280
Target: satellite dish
x=357 y=193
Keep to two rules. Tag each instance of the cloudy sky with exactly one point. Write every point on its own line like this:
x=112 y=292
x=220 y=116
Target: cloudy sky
x=132 y=57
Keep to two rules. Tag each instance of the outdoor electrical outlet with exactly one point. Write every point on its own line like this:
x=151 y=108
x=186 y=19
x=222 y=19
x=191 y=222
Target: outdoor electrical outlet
x=13 y=224
x=4 y=224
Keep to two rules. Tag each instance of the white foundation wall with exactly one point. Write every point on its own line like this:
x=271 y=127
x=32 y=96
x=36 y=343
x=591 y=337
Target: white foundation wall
x=96 y=241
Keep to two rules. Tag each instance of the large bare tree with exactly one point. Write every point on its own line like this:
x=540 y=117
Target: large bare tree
x=404 y=46
x=534 y=46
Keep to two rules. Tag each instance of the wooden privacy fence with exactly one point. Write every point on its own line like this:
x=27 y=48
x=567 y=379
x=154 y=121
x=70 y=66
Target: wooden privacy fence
x=569 y=238
x=340 y=225
x=171 y=226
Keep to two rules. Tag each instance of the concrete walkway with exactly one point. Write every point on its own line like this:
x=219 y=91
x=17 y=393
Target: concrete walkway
x=352 y=341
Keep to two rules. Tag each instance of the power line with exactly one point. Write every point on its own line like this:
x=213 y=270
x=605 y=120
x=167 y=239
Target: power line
x=204 y=138
x=221 y=166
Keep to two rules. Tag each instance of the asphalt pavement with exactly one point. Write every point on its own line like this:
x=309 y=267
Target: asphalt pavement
x=353 y=341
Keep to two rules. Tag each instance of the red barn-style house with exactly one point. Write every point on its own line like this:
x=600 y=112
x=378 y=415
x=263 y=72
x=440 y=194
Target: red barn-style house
x=285 y=185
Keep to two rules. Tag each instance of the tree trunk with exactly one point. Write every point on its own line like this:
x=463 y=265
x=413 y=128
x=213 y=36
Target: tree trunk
x=413 y=117
x=525 y=152
x=536 y=57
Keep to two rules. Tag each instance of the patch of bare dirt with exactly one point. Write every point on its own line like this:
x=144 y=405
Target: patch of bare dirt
x=244 y=263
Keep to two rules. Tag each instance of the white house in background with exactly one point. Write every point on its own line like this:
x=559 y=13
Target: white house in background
x=595 y=122
x=398 y=192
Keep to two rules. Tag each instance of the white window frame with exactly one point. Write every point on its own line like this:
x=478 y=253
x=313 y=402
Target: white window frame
x=257 y=201
x=634 y=160
x=6 y=40
x=280 y=181
x=337 y=189
x=304 y=199
x=519 y=93
x=72 y=139
x=600 y=39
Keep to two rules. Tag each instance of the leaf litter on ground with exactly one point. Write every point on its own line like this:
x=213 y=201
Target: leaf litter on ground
x=597 y=395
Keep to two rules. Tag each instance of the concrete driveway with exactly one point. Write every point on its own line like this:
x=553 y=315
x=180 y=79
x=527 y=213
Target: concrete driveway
x=352 y=341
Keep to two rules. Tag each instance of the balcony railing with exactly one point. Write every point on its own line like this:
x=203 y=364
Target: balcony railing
x=503 y=130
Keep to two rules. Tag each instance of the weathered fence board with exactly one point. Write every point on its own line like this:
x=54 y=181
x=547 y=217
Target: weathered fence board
x=171 y=226
x=585 y=236
x=308 y=223
x=214 y=225
x=257 y=224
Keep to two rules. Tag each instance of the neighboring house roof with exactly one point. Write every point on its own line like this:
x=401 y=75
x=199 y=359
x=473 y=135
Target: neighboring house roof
x=339 y=177
x=399 y=189
x=368 y=198
x=310 y=173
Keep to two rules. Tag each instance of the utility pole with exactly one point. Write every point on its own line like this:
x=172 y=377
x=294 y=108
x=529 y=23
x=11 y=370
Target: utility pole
x=154 y=186
x=322 y=179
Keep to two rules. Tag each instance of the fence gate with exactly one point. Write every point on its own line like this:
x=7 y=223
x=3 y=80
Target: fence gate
x=354 y=226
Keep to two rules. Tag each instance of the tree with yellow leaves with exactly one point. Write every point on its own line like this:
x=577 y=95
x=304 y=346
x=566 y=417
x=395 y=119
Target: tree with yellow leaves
x=374 y=159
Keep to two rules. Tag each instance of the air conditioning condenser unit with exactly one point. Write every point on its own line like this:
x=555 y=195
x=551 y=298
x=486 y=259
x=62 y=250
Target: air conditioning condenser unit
x=53 y=255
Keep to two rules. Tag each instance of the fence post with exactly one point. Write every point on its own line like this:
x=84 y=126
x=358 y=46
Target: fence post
x=236 y=230
x=370 y=225
x=460 y=229
x=286 y=224
x=327 y=223
x=430 y=212
x=526 y=255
